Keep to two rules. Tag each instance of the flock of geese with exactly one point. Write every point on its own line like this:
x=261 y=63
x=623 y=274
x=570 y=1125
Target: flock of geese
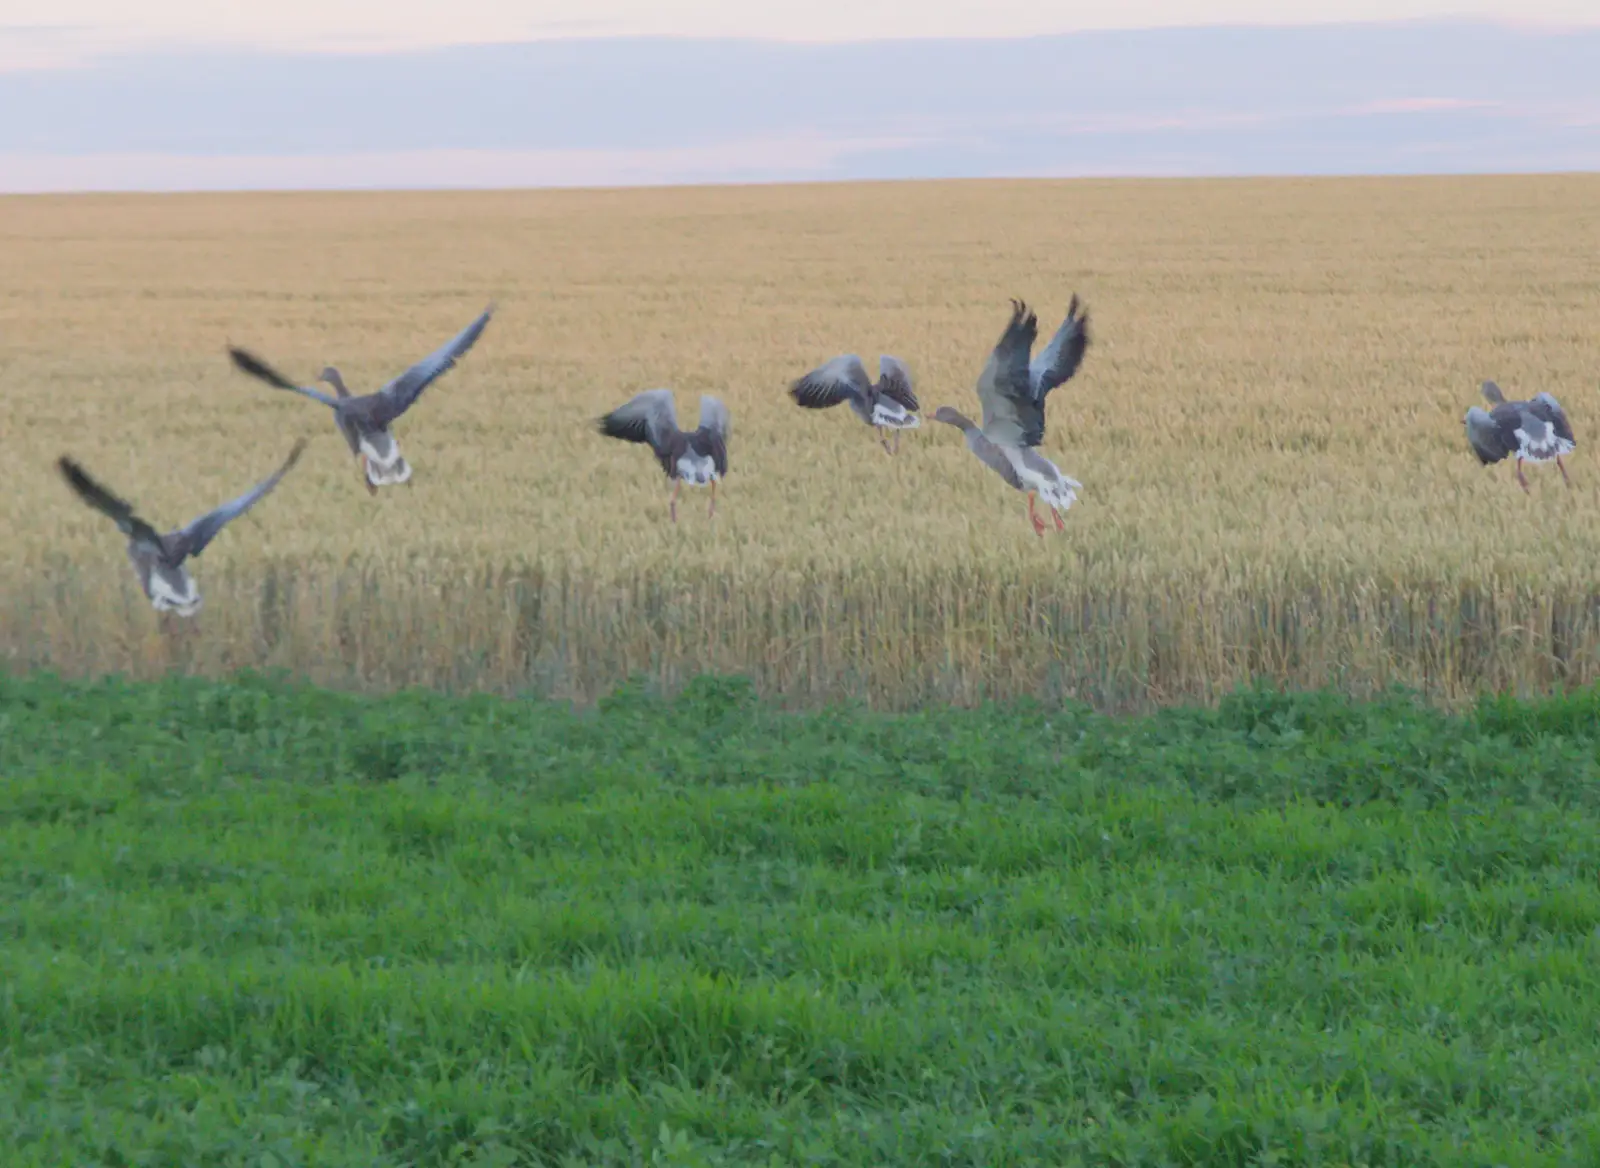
x=1011 y=390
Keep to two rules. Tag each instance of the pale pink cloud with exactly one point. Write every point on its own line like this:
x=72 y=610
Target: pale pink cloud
x=1416 y=105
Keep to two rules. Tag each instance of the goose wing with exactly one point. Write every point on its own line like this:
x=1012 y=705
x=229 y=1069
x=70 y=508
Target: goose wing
x=894 y=383
x=713 y=432
x=399 y=395
x=1012 y=416
x=1532 y=429
x=192 y=540
x=842 y=379
x=102 y=500
x=1545 y=406
x=1490 y=440
x=648 y=417
x=1059 y=360
x=247 y=362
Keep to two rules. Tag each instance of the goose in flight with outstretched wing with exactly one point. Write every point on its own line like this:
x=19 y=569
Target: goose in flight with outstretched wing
x=698 y=457
x=890 y=403
x=159 y=560
x=366 y=421
x=1012 y=390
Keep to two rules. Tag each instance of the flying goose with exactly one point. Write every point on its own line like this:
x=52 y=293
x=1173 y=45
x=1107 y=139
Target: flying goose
x=159 y=559
x=698 y=457
x=365 y=421
x=891 y=404
x=1535 y=431
x=1012 y=389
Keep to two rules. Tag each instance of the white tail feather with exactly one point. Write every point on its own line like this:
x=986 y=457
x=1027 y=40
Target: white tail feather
x=179 y=596
x=894 y=416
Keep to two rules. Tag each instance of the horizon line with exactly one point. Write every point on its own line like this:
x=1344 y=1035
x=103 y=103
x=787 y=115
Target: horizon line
x=689 y=185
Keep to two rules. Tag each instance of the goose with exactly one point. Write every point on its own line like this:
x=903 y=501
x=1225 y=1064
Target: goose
x=365 y=421
x=159 y=559
x=698 y=457
x=1012 y=390
x=1535 y=431
x=891 y=404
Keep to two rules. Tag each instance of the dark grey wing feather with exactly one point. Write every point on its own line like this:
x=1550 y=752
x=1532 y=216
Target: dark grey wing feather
x=649 y=418
x=894 y=383
x=709 y=442
x=398 y=396
x=1011 y=414
x=842 y=379
x=192 y=540
x=713 y=432
x=1545 y=406
x=247 y=362
x=103 y=501
x=1059 y=360
x=1490 y=440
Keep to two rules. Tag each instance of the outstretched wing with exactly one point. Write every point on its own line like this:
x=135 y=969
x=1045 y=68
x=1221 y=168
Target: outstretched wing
x=894 y=382
x=1489 y=440
x=398 y=396
x=1059 y=360
x=247 y=362
x=648 y=417
x=842 y=379
x=1545 y=406
x=714 y=426
x=192 y=540
x=103 y=501
x=1011 y=414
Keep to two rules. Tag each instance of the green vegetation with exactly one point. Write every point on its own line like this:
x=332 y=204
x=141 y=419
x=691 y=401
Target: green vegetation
x=258 y=923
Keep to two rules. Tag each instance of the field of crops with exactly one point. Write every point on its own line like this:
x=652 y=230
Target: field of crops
x=256 y=923
x=1268 y=428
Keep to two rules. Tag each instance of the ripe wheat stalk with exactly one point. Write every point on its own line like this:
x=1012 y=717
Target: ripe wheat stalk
x=1268 y=429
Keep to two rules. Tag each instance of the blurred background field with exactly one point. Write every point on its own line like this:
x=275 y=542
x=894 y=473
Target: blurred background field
x=1268 y=429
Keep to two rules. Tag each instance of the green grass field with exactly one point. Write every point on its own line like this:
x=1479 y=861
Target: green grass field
x=256 y=923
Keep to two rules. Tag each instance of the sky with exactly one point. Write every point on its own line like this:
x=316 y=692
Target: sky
x=351 y=94
x=43 y=33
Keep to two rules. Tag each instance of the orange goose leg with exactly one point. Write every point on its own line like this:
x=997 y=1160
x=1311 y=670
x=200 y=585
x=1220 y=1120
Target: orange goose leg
x=672 y=500
x=1056 y=515
x=712 y=511
x=1522 y=478
x=1562 y=467
x=1033 y=517
x=361 y=459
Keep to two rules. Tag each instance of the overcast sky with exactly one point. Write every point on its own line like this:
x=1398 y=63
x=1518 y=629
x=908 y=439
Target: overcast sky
x=198 y=94
x=49 y=32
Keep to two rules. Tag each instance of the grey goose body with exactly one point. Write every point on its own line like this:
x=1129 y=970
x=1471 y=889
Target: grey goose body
x=159 y=560
x=366 y=421
x=890 y=403
x=1012 y=390
x=1532 y=431
x=698 y=457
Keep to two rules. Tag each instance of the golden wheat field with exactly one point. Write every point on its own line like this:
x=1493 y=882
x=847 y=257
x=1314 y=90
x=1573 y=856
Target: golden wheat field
x=1268 y=428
